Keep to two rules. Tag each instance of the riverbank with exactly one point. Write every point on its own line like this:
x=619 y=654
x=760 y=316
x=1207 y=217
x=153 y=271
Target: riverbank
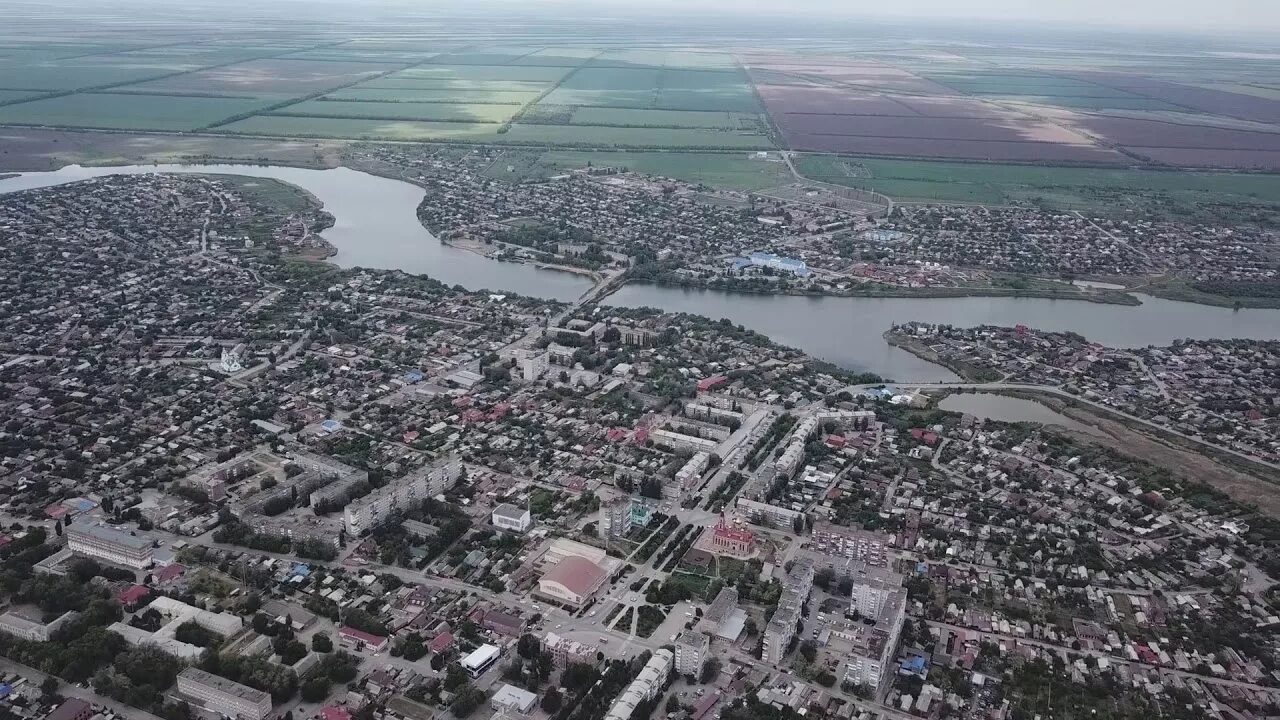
x=1184 y=292
x=921 y=350
x=875 y=291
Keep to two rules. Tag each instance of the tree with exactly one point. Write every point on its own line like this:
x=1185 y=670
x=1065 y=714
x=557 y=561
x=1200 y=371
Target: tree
x=710 y=670
x=528 y=646
x=437 y=662
x=673 y=704
x=551 y=701
x=321 y=643
x=466 y=702
x=315 y=690
x=49 y=686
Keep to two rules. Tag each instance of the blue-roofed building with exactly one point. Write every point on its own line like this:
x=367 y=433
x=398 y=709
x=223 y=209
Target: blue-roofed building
x=331 y=425
x=5 y=689
x=413 y=376
x=301 y=570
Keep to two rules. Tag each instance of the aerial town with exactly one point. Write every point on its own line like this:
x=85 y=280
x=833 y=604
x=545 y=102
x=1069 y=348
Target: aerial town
x=241 y=483
x=811 y=239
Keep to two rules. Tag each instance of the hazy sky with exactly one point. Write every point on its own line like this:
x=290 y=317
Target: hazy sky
x=1255 y=15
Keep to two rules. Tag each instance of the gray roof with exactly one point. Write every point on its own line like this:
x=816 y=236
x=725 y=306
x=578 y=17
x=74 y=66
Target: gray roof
x=136 y=542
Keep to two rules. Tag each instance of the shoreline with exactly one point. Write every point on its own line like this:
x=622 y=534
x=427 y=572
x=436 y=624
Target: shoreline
x=889 y=291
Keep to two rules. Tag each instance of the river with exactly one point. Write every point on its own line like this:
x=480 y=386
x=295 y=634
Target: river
x=376 y=226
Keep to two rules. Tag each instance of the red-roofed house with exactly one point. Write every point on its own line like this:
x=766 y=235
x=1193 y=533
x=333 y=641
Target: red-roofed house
x=56 y=511
x=168 y=573
x=836 y=441
x=441 y=642
x=132 y=596
x=361 y=640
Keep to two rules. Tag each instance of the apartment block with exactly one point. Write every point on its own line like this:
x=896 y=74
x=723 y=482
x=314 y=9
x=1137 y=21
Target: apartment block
x=220 y=695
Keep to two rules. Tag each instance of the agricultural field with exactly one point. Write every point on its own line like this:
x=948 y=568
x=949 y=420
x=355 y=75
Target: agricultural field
x=126 y=112
x=401 y=111
x=1094 y=189
x=985 y=103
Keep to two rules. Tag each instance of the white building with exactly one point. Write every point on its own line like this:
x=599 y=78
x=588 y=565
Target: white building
x=615 y=519
x=513 y=699
x=510 y=517
x=113 y=546
x=533 y=365
x=176 y=614
x=691 y=472
x=481 y=659
x=375 y=508
x=30 y=628
x=220 y=695
x=691 y=652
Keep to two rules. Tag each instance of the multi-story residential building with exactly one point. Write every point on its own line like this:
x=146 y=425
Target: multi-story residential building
x=339 y=477
x=647 y=685
x=690 y=473
x=692 y=650
x=510 y=517
x=869 y=643
x=220 y=695
x=214 y=479
x=375 y=508
x=113 y=546
x=782 y=626
x=766 y=514
x=615 y=519
x=533 y=365
x=29 y=627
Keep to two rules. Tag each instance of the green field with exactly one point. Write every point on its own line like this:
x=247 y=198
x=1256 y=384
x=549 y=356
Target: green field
x=119 y=111
x=402 y=111
x=7 y=95
x=481 y=72
x=394 y=95
x=77 y=75
x=275 y=125
x=1056 y=186
x=633 y=137
x=661 y=118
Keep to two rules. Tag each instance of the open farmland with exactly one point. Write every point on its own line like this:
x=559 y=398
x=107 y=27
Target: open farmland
x=123 y=112
x=1010 y=105
x=401 y=111
x=1092 y=189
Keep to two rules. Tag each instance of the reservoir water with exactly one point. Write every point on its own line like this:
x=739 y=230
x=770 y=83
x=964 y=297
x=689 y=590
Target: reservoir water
x=376 y=226
x=991 y=406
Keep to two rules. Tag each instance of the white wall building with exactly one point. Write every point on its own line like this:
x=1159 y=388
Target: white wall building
x=691 y=652
x=647 y=685
x=510 y=517
x=29 y=628
x=223 y=696
x=113 y=546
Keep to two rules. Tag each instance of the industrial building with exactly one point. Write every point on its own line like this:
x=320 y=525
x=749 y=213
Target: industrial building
x=113 y=546
x=222 y=696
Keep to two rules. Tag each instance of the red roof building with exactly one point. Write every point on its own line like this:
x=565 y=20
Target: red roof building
x=131 y=596
x=332 y=712
x=441 y=642
x=359 y=639
x=711 y=383
x=168 y=573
